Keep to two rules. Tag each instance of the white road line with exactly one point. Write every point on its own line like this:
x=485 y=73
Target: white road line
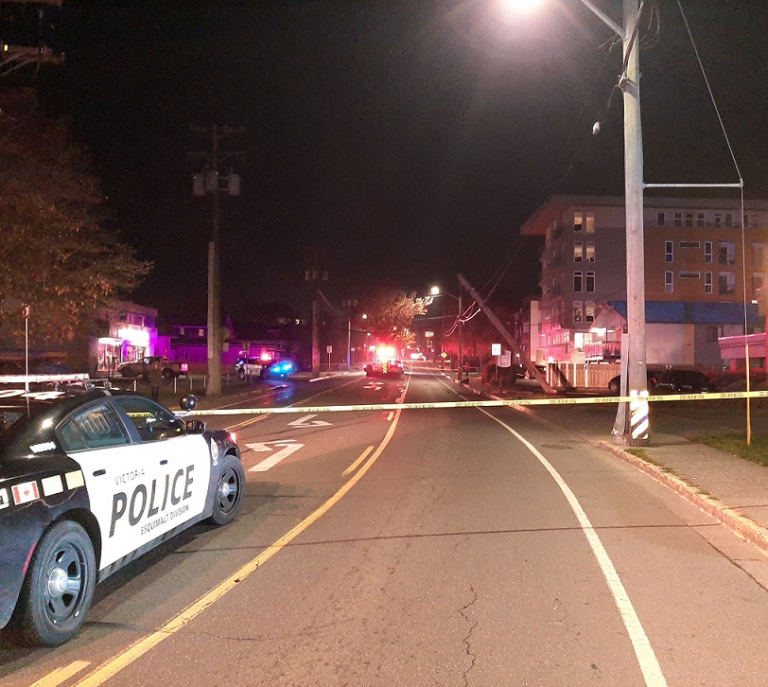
x=275 y=458
x=61 y=675
x=646 y=657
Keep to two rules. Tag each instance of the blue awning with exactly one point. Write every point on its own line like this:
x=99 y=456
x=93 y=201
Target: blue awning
x=679 y=312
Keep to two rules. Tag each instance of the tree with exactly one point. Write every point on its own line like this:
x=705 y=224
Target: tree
x=391 y=314
x=55 y=254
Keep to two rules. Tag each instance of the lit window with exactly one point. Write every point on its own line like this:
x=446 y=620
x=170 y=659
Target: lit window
x=590 y=251
x=578 y=221
x=590 y=222
x=590 y=282
x=578 y=251
x=590 y=311
x=669 y=284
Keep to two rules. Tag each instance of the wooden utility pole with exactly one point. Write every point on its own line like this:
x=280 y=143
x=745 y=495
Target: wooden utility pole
x=315 y=276
x=211 y=183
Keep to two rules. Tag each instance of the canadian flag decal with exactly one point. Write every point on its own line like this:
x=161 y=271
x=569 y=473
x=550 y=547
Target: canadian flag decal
x=25 y=492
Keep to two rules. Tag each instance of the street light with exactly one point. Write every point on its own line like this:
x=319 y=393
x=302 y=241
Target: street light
x=435 y=291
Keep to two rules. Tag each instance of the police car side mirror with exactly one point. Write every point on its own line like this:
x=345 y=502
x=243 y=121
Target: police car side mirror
x=188 y=402
x=195 y=426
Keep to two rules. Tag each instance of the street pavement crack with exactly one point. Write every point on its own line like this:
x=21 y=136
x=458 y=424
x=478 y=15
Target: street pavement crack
x=468 y=638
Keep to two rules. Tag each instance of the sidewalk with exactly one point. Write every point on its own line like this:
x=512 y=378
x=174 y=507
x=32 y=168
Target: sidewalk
x=732 y=490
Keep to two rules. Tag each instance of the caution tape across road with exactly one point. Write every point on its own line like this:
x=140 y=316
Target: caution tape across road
x=490 y=403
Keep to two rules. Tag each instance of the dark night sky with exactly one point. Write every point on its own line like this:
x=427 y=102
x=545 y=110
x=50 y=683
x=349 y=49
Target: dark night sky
x=406 y=139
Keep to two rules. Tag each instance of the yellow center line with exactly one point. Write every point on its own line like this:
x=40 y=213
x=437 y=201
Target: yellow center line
x=113 y=666
x=357 y=462
x=61 y=674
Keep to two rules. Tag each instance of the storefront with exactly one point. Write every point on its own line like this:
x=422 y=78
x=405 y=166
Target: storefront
x=132 y=336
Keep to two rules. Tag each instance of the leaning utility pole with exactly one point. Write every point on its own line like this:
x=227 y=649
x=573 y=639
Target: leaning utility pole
x=210 y=183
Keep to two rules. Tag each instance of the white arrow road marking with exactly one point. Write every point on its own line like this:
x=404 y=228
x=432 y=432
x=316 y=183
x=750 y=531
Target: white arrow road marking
x=307 y=421
x=285 y=448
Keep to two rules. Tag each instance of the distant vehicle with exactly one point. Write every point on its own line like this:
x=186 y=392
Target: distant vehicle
x=261 y=368
x=414 y=354
x=91 y=479
x=385 y=363
x=140 y=368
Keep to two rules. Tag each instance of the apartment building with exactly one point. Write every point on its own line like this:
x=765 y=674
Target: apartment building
x=705 y=278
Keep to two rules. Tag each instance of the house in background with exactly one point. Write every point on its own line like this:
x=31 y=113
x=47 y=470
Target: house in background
x=189 y=343
x=124 y=332
x=693 y=265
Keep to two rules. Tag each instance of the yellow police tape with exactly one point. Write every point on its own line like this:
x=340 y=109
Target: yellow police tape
x=490 y=403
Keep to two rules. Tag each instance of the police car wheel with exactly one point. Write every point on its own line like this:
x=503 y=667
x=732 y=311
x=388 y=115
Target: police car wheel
x=59 y=586
x=229 y=491
x=168 y=373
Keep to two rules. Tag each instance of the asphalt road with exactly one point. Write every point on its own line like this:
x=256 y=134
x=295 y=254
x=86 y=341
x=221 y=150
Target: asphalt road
x=426 y=547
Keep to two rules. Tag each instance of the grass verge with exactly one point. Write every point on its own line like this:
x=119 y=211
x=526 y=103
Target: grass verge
x=736 y=444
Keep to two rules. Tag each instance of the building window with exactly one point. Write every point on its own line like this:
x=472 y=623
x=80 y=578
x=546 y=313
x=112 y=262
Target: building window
x=758 y=283
x=712 y=332
x=700 y=220
x=726 y=283
x=718 y=219
x=578 y=251
x=690 y=275
x=578 y=221
x=707 y=251
x=726 y=252
x=690 y=244
x=590 y=251
x=678 y=219
x=688 y=219
x=669 y=254
x=590 y=282
x=660 y=218
x=760 y=253
x=728 y=219
x=669 y=286
x=201 y=333
x=590 y=222
x=590 y=311
x=578 y=282
x=707 y=282
x=578 y=311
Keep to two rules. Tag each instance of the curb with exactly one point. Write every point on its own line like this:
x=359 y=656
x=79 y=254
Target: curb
x=742 y=526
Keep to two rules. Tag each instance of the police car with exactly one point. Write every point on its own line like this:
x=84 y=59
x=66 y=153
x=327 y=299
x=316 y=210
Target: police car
x=90 y=479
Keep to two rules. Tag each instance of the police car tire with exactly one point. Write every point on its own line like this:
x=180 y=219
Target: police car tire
x=168 y=373
x=37 y=620
x=230 y=489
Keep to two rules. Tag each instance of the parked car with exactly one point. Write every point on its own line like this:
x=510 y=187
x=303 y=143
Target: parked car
x=684 y=382
x=140 y=368
x=615 y=384
x=91 y=479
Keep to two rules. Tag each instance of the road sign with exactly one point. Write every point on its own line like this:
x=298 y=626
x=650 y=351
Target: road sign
x=496 y=349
